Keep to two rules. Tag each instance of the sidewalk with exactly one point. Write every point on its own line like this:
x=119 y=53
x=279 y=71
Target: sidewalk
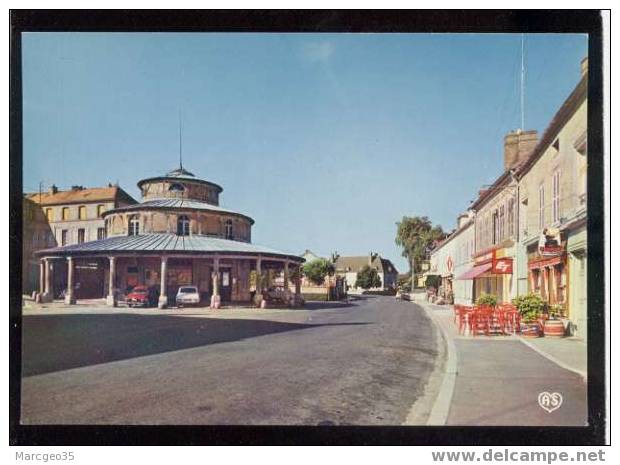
x=497 y=380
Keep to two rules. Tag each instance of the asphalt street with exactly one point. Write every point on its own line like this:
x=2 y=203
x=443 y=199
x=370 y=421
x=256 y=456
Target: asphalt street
x=359 y=363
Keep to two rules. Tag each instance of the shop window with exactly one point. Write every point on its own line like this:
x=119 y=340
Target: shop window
x=183 y=225
x=82 y=212
x=228 y=229
x=81 y=235
x=65 y=213
x=134 y=225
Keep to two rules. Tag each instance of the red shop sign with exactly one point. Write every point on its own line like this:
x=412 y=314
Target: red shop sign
x=502 y=266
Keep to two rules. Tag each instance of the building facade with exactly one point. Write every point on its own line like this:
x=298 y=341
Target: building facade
x=496 y=223
x=178 y=235
x=552 y=198
x=76 y=215
x=348 y=267
x=36 y=235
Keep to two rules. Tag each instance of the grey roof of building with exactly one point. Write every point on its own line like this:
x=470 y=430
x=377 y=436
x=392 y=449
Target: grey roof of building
x=177 y=204
x=180 y=173
x=165 y=242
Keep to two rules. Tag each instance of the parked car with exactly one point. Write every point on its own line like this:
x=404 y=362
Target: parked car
x=142 y=296
x=187 y=295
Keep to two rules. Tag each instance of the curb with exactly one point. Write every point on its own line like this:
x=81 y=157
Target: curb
x=583 y=374
x=441 y=407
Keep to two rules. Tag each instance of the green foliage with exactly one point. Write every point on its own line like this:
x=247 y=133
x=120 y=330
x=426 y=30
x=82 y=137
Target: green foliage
x=416 y=235
x=487 y=299
x=530 y=306
x=318 y=269
x=433 y=280
x=404 y=282
x=367 y=278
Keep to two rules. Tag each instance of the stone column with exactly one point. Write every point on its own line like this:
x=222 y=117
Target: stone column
x=258 y=297
x=111 y=297
x=70 y=293
x=216 y=300
x=41 y=277
x=48 y=293
x=285 y=279
x=163 y=297
x=298 y=299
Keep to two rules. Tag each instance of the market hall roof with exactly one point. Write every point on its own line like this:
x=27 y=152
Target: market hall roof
x=145 y=244
x=179 y=174
x=176 y=204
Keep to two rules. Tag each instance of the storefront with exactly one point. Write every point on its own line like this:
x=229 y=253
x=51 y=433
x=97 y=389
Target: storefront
x=547 y=270
x=492 y=274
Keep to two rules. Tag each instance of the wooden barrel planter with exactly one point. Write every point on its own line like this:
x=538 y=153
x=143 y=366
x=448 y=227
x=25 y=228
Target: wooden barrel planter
x=531 y=329
x=554 y=328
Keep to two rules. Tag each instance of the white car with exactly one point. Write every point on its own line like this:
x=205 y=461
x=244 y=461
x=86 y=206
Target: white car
x=188 y=295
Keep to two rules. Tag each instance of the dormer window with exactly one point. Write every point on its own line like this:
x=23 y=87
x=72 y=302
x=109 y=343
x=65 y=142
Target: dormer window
x=183 y=225
x=134 y=225
x=176 y=187
x=228 y=229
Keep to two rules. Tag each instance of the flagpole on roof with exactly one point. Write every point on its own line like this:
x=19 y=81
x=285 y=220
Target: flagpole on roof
x=180 y=140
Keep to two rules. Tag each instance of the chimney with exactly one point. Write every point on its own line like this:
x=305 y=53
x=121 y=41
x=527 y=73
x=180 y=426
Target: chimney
x=517 y=147
x=53 y=189
x=461 y=220
x=584 y=66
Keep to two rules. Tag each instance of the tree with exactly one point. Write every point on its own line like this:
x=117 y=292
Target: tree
x=367 y=278
x=318 y=269
x=417 y=235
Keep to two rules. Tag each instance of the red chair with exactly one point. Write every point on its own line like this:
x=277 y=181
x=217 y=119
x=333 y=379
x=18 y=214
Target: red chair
x=464 y=318
x=480 y=320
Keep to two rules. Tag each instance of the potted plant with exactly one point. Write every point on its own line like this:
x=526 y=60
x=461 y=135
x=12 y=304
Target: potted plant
x=554 y=326
x=530 y=306
x=487 y=299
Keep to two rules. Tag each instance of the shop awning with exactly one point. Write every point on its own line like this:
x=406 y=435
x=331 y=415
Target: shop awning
x=475 y=271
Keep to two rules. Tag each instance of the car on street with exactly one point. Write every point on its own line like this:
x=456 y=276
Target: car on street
x=187 y=295
x=142 y=296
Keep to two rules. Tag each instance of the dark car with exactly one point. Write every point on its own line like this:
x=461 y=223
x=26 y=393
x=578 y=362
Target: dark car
x=142 y=296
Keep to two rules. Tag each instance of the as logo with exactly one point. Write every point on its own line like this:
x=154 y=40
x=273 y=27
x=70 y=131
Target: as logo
x=550 y=401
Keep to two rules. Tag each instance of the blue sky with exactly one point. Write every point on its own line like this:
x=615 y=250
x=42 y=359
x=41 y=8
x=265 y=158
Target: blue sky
x=326 y=140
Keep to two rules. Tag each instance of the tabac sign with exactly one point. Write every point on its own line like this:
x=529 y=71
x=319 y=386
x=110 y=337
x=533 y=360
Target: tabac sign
x=502 y=265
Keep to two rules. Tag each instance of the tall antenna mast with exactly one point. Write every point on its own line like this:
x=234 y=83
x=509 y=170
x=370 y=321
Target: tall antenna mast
x=523 y=82
x=180 y=141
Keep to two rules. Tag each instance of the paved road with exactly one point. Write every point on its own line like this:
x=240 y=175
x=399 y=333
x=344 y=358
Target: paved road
x=362 y=363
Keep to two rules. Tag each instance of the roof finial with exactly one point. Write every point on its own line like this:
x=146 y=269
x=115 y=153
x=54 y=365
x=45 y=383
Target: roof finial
x=180 y=140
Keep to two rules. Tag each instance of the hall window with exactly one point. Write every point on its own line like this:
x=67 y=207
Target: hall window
x=134 y=225
x=65 y=213
x=228 y=229
x=555 y=206
x=101 y=234
x=100 y=210
x=176 y=187
x=183 y=225
x=82 y=212
x=502 y=219
x=81 y=235
x=49 y=214
x=63 y=237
